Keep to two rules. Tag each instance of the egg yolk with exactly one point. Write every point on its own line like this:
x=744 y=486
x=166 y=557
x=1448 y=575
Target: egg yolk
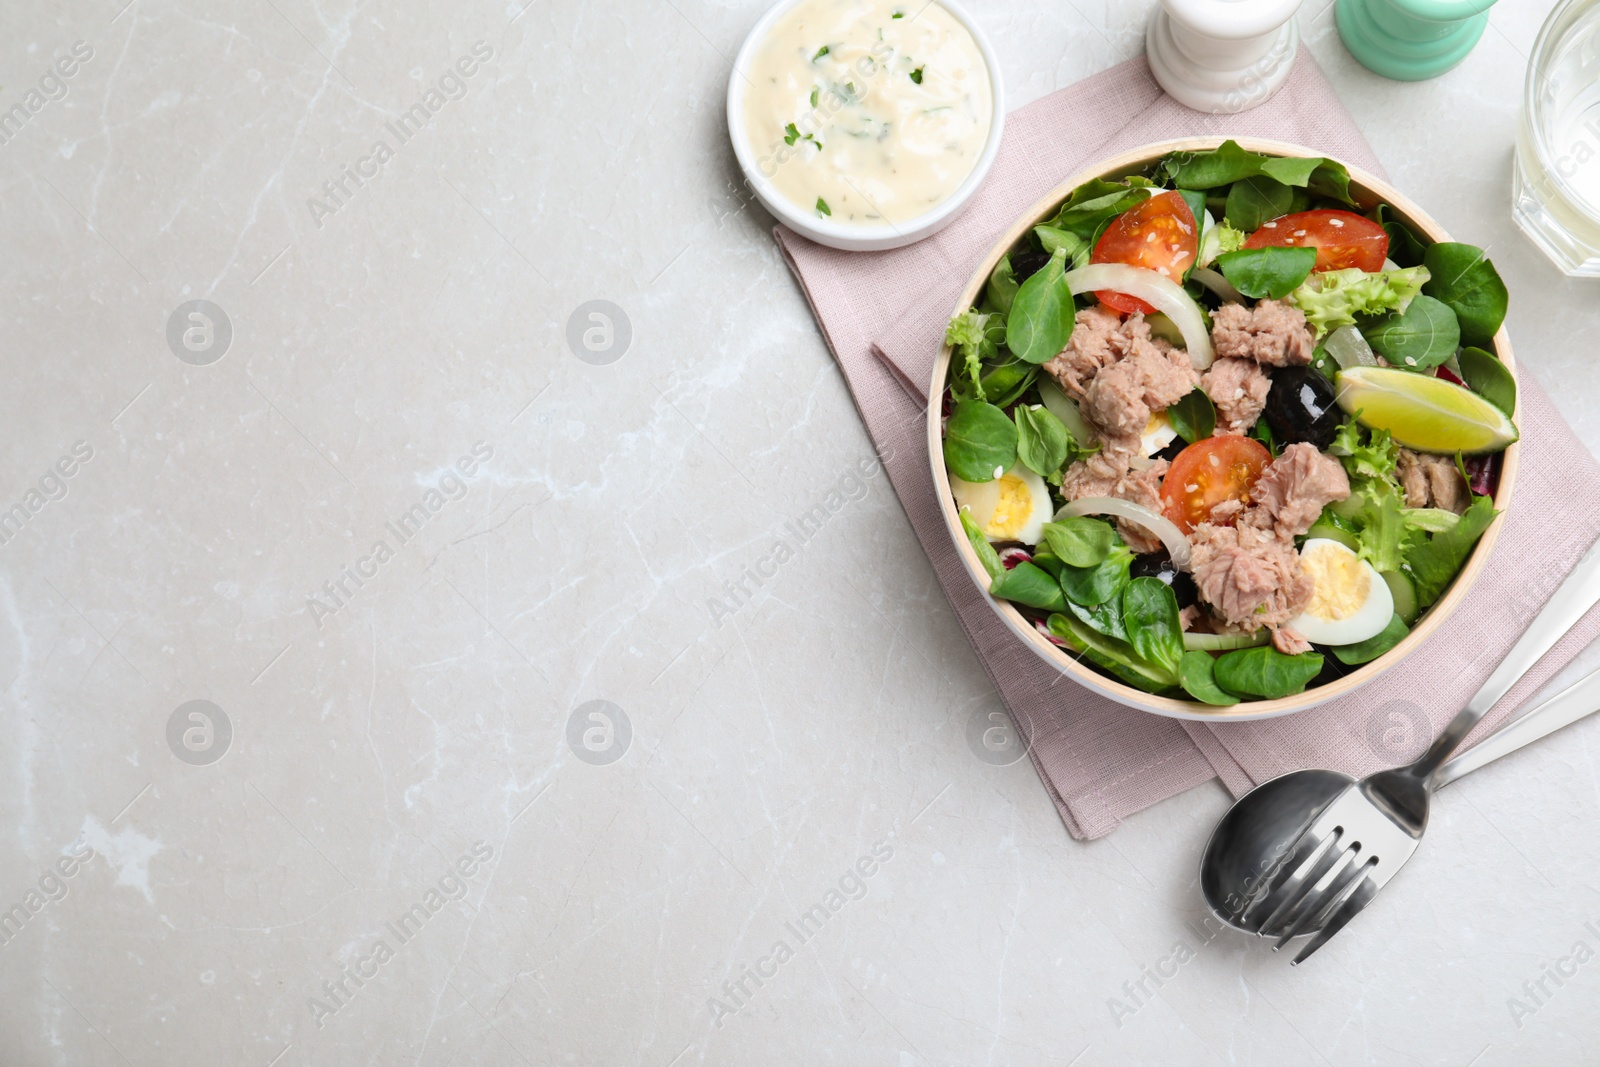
x=1342 y=583
x=1012 y=511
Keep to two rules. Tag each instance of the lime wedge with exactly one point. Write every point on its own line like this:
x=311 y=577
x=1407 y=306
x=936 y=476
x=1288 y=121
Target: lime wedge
x=1423 y=412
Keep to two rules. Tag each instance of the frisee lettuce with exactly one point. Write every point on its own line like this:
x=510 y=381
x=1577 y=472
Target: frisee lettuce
x=965 y=334
x=1334 y=298
x=1365 y=453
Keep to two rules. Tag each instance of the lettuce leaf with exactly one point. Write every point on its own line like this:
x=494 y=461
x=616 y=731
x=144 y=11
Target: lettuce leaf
x=966 y=334
x=1364 y=453
x=1380 y=523
x=1434 y=562
x=1334 y=298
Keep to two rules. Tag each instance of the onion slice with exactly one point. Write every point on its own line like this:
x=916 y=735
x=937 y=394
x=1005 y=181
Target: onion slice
x=1217 y=284
x=1349 y=349
x=1065 y=408
x=1223 y=642
x=1160 y=525
x=1160 y=292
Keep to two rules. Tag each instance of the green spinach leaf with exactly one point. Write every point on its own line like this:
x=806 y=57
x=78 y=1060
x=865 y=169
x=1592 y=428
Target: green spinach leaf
x=980 y=443
x=1197 y=205
x=1465 y=280
x=1002 y=385
x=981 y=546
x=1080 y=541
x=1053 y=238
x=1040 y=321
x=1267 y=272
x=1117 y=657
x=1104 y=618
x=1421 y=337
x=1219 y=166
x=1404 y=247
x=1265 y=672
x=1002 y=288
x=1253 y=201
x=1292 y=170
x=1027 y=584
x=1043 y=442
x=1435 y=561
x=1375 y=646
x=1489 y=378
x=1096 y=585
x=1094 y=204
x=1193 y=416
x=1195 y=672
x=1150 y=615
x=1331 y=179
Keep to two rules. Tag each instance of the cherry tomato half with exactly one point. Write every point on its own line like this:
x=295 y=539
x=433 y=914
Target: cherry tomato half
x=1209 y=472
x=1342 y=239
x=1158 y=234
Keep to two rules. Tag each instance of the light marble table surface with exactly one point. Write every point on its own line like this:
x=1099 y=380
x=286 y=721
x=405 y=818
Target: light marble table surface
x=393 y=750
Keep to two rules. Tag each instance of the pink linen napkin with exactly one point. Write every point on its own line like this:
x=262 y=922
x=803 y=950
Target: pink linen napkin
x=883 y=316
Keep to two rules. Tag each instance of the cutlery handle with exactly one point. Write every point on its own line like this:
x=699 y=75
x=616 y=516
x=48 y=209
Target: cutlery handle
x=1571 y=601
x=1565 y=708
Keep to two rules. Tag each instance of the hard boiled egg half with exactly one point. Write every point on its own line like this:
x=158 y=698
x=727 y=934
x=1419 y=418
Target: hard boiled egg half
x=1350 y=603
x=1158 y=434
x=1013 y=507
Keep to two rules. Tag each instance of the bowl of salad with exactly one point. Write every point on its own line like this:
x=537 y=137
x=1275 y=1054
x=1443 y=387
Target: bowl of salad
x=1225 y=429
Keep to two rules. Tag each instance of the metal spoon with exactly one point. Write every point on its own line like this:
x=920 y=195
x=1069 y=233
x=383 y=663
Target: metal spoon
x=1262 y=827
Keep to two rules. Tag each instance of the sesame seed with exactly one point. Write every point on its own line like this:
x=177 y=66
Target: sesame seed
x=1215 y=462
x=1299 y=233
x=1192 y=487
x=1149 y=237
x=1269 y=226
x=1164 y=272
x=1411 y=361
x=1336 y=222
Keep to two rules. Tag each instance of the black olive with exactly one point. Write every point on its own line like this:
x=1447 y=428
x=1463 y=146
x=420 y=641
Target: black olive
x=1159 y=565
x=1301 y=407
x=1025 y=265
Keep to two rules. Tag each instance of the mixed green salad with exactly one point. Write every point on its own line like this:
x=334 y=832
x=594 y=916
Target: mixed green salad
x=1223 y=432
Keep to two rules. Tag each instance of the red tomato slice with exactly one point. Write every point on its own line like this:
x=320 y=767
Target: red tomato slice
x=1159 y=235
x=1209 y=472
x=1342 y=238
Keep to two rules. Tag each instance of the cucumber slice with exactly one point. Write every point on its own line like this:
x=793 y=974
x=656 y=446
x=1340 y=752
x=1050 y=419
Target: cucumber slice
x=1405 y=595
x=1223 y=642
x=1324 y=528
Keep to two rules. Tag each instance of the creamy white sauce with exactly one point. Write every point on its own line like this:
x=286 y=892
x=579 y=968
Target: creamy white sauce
x=882 y=126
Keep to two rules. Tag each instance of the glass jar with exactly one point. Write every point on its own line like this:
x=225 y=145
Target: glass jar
x=1556 y=175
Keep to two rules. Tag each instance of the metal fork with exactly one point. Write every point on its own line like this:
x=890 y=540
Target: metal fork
x=1359 y=841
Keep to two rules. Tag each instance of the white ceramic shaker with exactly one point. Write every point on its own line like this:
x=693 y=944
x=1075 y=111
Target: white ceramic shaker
x=1222 y=56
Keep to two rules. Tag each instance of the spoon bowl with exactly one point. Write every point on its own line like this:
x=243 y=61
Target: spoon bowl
x=1258 y=833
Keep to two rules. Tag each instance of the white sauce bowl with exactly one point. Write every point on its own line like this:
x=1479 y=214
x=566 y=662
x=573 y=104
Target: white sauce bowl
x=853 y=237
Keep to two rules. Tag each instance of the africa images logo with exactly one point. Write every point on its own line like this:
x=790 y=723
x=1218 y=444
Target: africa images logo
x=450 y=86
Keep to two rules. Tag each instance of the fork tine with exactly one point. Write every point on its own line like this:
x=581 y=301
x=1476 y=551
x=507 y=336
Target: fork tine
x=1330 y=893
x=1364 y=892
x=1292 y=892
x=1266 y=896
x=1299 y=849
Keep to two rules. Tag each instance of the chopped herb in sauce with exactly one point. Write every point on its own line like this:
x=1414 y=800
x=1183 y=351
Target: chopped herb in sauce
x=916 y=75
x=820 y=53
x=822 y=207
x=814 y=92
